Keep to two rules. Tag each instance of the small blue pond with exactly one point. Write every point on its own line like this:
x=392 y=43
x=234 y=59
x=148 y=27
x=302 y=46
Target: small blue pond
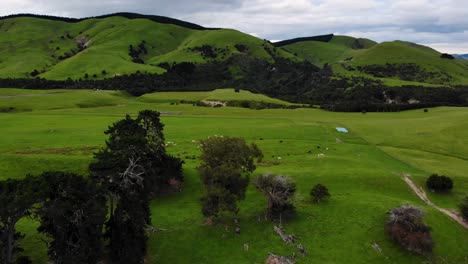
x=342 y=129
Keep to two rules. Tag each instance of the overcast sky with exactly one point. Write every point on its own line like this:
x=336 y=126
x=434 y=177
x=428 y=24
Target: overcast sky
x=441 y=24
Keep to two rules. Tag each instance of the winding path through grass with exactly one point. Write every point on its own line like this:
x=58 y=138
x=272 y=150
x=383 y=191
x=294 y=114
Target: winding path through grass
x=422 y=194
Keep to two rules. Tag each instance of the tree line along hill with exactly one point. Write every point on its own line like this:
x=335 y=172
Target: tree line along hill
x=144 y=54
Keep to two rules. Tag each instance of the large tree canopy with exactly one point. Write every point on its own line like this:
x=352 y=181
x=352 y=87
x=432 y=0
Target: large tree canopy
x=226 y=163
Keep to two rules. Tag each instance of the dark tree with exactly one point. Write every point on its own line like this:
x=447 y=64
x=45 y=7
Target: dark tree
x=72 y=215
x=16 y=201
x=439 y=183
x=132 y=167
x=126 y=228
x=35 y=73
x=226 y=163
x=319 y=193
x=405 y=227
x=464 y=208
x=279 y=190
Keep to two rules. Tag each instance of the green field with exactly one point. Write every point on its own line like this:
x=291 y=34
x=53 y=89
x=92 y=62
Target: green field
x=60 y=129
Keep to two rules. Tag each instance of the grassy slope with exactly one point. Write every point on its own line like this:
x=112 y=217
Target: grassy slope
x=29 y=43
x=319 y=53
x=339 y=48
x=405 y=52
x=360 y=172
x=216 y=95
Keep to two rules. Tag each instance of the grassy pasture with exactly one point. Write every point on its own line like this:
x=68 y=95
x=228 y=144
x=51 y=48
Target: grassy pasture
x=360 y=168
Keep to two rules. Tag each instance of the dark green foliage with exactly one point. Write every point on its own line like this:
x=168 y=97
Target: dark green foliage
x=136 y=53
x=72 y=215
x=319 y=193
x=241 y=47
x=207 y=51
x=226 y=163
x=35 y=73
x=447 y=56
x=126 y=227
x=405 y=227
x=279 y=190
x=17 y=198
x=406 y=72
x=301 y=82
x=141 y=140
x=464 y=208
x=132 y=167
x=439 y=183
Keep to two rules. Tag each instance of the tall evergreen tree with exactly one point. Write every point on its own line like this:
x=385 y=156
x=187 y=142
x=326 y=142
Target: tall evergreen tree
x=132 y=167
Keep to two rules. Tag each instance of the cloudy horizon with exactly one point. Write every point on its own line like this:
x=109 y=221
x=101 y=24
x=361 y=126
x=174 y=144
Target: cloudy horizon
x=440 y=24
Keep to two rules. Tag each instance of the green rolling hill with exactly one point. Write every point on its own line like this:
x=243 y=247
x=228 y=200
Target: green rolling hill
x=362 y=57
x=100 y=47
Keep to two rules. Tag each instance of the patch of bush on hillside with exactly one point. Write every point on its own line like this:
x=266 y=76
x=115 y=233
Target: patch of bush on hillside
x=7 y=109
x=447 y=56
x=135 y=53
x=258 y=105
x=241 y=47
x=405 y=72
x=406 y=228
x=209 y=52
x=439 y=183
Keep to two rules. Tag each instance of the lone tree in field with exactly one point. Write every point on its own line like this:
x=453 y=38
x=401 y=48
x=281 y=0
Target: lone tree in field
x=405 y=227
x=279 y=190
x=439 y=183
x=464 y=208
x=16 y=200
x=319 y=193
x=226 y=163
x=72 y=214
x=133 y=167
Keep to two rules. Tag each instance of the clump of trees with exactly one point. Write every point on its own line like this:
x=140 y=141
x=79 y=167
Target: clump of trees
x=74 y=210
x=279 y=191
x=405 y=227
x=135 y=53
x=439 y=183
x=319 y=193
x=226 y=163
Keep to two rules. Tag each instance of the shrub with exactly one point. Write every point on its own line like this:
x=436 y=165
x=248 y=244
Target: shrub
x=319 y=193
x=405 y=227
x=439 y=183
x=464 y=208
x=279 y=191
